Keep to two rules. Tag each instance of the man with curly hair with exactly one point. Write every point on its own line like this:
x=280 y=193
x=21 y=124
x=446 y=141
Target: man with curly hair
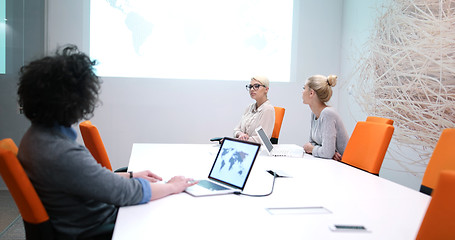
x=79 y=195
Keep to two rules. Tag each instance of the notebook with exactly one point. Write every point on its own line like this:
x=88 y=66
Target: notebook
x=230 y=170
x=278 y=150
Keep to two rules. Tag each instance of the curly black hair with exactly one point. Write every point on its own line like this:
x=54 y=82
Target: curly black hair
x=60 y=89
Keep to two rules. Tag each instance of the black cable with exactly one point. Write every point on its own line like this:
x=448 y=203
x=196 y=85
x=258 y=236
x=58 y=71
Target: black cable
x=264 y=195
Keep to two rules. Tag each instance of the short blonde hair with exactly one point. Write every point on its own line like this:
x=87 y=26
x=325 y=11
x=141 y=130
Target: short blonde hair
x=261 y=79
x=322 y=85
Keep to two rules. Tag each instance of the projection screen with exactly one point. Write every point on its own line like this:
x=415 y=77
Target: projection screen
x=198 y=39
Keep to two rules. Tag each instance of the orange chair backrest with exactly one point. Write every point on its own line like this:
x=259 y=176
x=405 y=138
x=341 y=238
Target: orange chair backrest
x=439 y=220
x=279 y=115
x=379 y=120
x=22 y=190
x=9 y=144
x=368 y=145
x=94 y=143
x=443 y=158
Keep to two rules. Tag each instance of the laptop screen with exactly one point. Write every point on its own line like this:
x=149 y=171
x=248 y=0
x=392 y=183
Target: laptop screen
x=234 y=162
x=264 y=139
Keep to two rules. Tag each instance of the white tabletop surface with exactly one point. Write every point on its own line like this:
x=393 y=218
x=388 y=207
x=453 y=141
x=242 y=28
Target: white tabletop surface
x=329 y=192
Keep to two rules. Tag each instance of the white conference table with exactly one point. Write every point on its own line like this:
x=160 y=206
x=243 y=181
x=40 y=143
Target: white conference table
x=320 y=193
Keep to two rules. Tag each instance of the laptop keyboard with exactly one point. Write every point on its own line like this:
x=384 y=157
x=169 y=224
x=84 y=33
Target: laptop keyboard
x=285 y=151
x=211 y=186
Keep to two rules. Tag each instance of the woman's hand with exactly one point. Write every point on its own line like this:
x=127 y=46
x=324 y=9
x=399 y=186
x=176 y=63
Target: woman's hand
x=337 y=156
x=180 y=183
x=243 y=136
x=308 y=148
x=176 y=185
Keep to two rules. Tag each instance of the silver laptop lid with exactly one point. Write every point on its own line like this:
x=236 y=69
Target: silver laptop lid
x=264 y=139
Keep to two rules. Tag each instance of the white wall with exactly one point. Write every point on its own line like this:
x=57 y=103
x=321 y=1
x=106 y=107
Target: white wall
x=190 y=111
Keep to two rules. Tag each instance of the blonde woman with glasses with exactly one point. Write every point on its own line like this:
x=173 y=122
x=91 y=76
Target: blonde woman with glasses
x=328 y=136
x=259 y=113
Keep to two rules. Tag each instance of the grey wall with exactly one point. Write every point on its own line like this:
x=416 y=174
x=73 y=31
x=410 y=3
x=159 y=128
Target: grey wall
x=25 y=41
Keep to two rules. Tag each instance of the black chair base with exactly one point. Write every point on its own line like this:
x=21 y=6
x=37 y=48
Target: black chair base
x=41 y=231
x=103 y=232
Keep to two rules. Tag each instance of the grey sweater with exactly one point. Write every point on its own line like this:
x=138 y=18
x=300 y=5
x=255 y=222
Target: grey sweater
x=328 y=134
x=76 y=191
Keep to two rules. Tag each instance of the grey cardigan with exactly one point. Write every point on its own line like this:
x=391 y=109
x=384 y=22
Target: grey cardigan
x=328 y=134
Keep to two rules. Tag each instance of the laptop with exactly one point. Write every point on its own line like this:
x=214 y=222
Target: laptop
x=278 y=150
x=230 y=170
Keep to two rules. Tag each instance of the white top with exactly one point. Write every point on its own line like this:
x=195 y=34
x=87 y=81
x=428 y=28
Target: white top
x=253 y=118
x=328 y=134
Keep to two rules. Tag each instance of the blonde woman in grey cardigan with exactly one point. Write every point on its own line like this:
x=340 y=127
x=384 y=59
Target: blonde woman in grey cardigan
x=328 y=136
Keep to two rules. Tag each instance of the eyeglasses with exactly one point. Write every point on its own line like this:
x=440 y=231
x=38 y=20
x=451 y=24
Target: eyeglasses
x=254 y=86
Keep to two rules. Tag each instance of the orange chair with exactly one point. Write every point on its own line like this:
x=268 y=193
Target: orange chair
x=94 y=143
x=441 y=159
x=36 y=220
x=37 y=223
x=279 y=115
x=379 y=120
x=368 y=145
x=439 y=220
x=9 y=144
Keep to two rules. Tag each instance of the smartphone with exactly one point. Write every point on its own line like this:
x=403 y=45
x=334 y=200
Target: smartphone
x=348 y=228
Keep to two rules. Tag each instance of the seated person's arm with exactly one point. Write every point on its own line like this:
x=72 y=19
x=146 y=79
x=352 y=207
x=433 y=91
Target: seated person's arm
x=237 y=129
x=147 y=175
x=329 y=136
x=175 y=185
